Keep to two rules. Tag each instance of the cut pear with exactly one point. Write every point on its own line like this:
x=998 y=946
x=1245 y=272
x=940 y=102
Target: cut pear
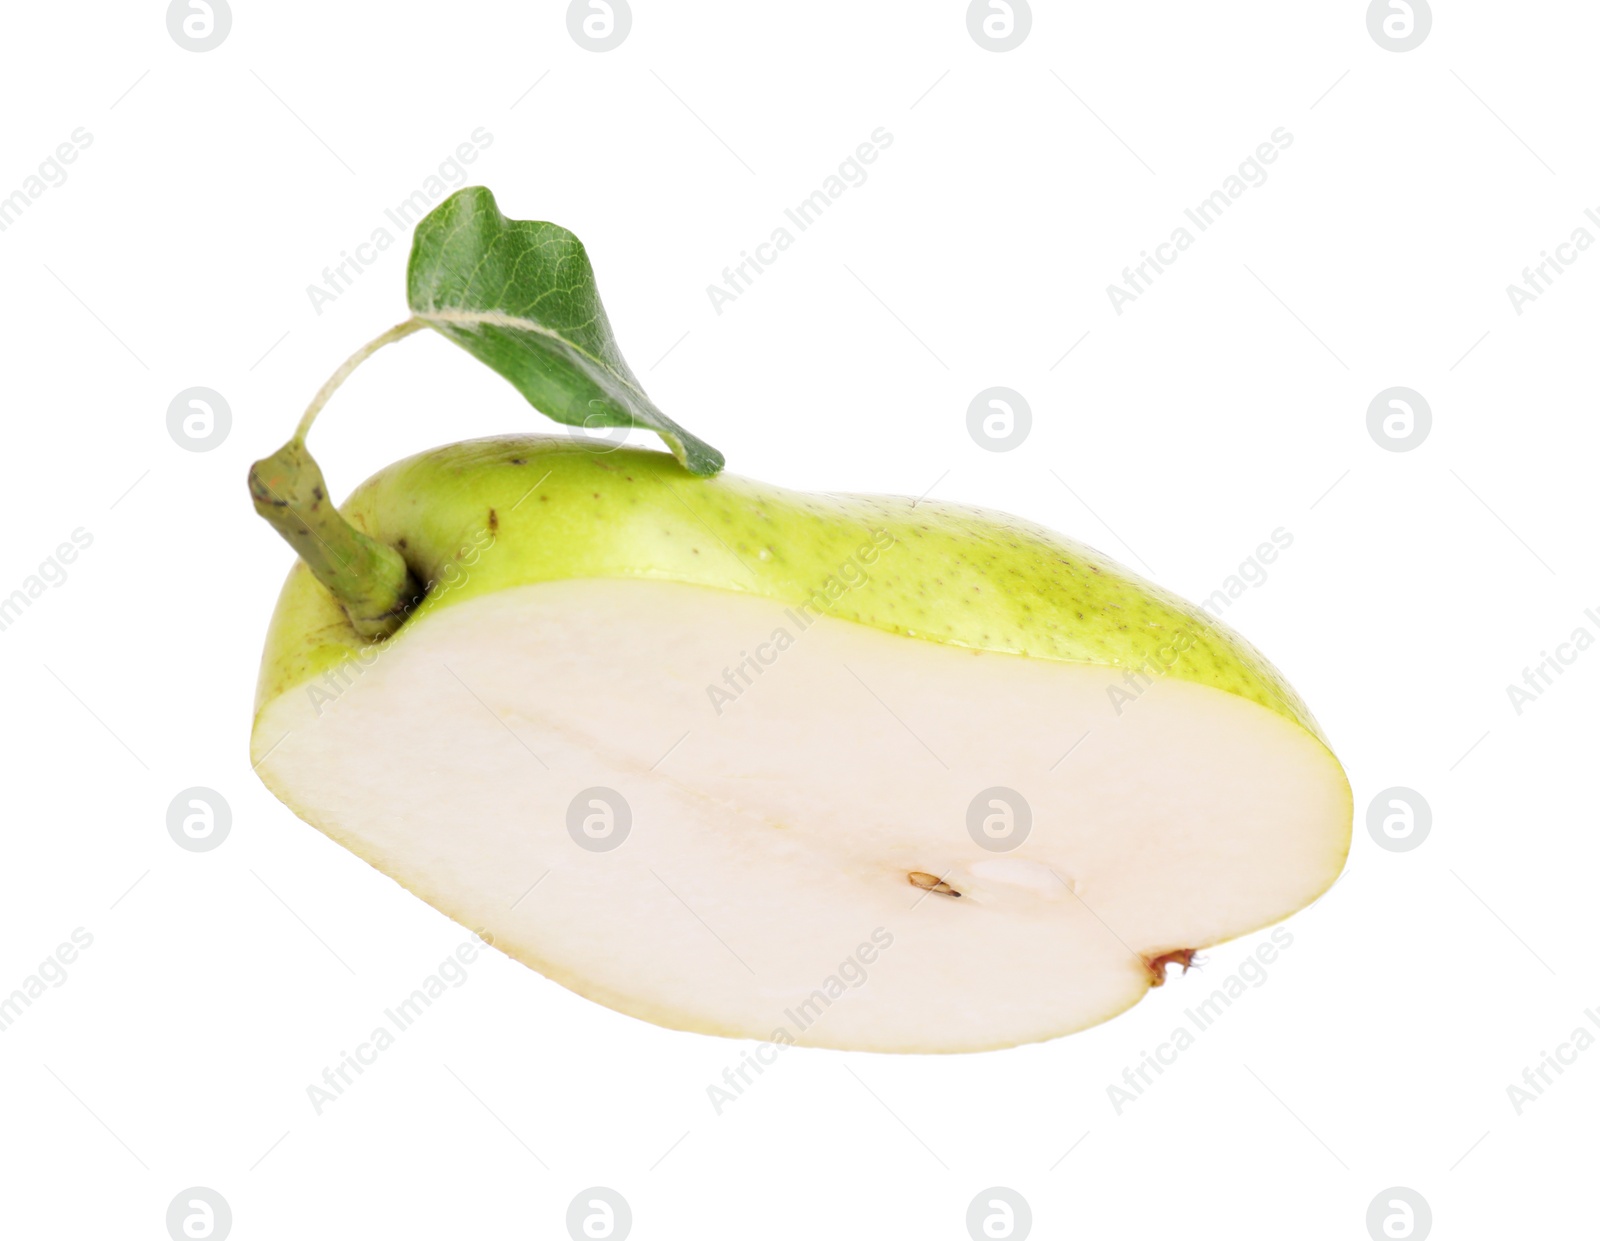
x=968 y=796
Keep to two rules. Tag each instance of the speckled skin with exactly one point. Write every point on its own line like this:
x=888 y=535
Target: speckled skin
x=476 y=517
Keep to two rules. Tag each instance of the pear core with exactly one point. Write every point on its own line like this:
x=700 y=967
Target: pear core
x=644 y=743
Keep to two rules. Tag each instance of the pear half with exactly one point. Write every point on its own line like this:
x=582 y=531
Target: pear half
x=850 y=772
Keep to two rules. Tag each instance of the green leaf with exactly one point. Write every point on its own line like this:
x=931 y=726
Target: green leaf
x=520 y=296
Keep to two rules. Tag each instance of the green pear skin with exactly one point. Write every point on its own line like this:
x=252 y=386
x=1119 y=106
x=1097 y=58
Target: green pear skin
x=477 y=517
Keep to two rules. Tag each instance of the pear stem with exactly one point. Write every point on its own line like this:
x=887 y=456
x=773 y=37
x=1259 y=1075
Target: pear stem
x=370 y=579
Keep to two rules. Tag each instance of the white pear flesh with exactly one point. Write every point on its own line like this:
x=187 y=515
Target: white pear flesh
x=774 y=837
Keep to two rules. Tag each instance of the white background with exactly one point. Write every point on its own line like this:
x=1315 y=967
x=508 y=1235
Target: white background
x=1224 y=403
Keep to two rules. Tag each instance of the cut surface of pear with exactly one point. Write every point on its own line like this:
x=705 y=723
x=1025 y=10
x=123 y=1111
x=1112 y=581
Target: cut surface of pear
x=803 y=776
